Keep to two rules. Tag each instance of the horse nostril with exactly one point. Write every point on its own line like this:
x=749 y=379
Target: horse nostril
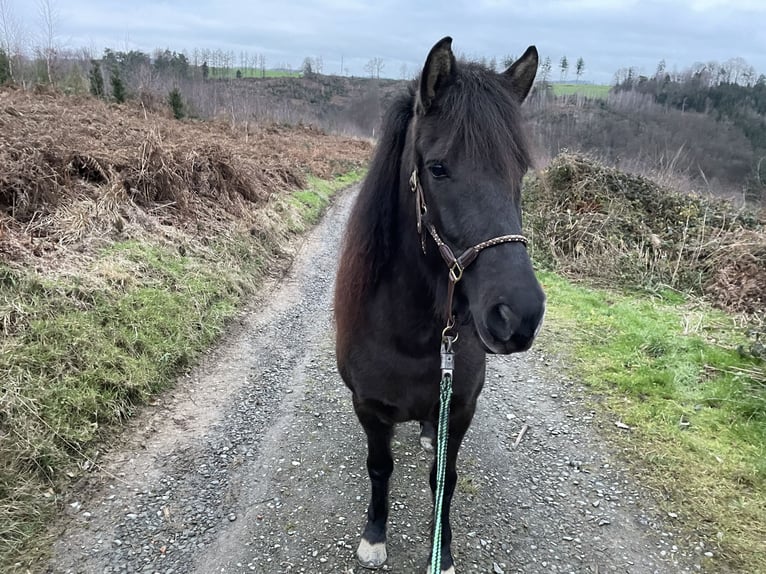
x=502 y=322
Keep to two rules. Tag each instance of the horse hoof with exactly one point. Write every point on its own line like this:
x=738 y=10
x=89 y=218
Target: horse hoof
x=427 y=443
x=371 y=556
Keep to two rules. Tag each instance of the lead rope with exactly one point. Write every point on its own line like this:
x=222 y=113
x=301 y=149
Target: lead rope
x=449 y=336
x=445 y=395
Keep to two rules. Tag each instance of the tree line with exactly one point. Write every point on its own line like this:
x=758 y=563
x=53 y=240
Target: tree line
x=731 y=92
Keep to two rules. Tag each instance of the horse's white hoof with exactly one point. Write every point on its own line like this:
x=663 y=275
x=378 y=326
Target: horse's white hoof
x=427 y=443
x=371 y=555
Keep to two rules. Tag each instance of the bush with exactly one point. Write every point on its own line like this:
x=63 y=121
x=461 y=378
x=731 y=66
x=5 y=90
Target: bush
x=588 y=220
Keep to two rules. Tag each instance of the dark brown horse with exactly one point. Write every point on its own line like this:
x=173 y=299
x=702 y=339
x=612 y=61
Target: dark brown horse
x=445 y=179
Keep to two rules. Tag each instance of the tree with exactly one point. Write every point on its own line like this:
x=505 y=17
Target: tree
x=9 y=36
x=507 y=61
x=5 y=67
x=579 y=68
x=492 y=64
x=96 y=79
x=564 y=66
x=205 y=70
x=49 y=18
x=545 y=71
x=308 y=66
x=176 y=103
x=239 y=74
x=118 y=88
x=660 y=69
x=374 y=67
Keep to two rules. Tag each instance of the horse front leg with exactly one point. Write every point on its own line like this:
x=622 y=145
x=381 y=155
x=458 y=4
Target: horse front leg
x=371 y=552
x=459 y=422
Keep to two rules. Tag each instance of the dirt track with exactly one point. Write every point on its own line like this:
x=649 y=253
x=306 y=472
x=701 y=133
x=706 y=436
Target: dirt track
x=255 y=463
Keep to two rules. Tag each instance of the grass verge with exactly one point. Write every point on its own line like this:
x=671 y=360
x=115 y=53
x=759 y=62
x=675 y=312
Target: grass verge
x=312 y=201
x=677 y=373
x=79 y=352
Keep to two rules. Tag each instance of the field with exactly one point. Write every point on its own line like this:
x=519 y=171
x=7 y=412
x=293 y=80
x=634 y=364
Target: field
x=231 y=73
x=587 y=90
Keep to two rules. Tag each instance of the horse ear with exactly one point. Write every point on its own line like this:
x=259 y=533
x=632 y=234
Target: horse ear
x=522 y=73
x=438 y=69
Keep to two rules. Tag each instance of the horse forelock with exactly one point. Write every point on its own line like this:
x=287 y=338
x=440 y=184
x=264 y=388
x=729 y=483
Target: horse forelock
x=479 y=115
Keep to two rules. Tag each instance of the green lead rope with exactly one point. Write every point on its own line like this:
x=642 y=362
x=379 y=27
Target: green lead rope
x=445 y=395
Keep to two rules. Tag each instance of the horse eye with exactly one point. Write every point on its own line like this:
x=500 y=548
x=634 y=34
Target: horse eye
x=437 y=170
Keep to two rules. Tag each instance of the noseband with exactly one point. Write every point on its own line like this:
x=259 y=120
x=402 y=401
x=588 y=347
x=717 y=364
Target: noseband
x=456 y=265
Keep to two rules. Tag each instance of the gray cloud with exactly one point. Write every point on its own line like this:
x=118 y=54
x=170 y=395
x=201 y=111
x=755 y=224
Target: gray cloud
x=607 y=34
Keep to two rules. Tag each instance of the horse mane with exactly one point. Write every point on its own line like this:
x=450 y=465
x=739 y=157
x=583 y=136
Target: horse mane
x=372 y=225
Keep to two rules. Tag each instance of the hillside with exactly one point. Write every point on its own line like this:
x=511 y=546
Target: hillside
x=340 y=104
x=77 y=173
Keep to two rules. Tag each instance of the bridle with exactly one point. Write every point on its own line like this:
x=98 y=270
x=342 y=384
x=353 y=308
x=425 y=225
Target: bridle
x=456 y=265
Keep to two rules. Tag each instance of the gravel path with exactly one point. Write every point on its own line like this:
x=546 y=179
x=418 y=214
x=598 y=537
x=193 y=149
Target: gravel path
x=255 y=463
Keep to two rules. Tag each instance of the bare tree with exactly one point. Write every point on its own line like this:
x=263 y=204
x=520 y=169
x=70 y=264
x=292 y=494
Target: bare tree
x=374 y=67
x=262 y=64
x=545 y=71
x=10 y=35
x=318 y=65
x=49 y=20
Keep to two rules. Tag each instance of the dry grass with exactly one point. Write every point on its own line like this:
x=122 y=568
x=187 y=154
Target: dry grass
x=74 y=169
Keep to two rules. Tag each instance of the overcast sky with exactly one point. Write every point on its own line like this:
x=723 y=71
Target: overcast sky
x=607 y=34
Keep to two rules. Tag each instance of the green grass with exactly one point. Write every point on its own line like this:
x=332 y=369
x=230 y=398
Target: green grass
x=231 y=73
x=697 y=407
x=312 y=201
x=587 y=90
x=80 y=352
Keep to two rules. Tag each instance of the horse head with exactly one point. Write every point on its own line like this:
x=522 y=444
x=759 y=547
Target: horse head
x=466 y=156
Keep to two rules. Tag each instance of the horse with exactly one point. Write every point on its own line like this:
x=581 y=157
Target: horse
x=445 y=178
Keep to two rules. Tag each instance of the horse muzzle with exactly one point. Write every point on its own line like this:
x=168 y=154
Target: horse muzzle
x=511 y=327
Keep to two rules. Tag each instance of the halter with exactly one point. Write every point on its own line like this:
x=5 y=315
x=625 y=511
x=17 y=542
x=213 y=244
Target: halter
x=456 y=265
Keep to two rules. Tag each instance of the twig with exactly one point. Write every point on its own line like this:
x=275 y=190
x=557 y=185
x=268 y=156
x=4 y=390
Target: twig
x=520 y=436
